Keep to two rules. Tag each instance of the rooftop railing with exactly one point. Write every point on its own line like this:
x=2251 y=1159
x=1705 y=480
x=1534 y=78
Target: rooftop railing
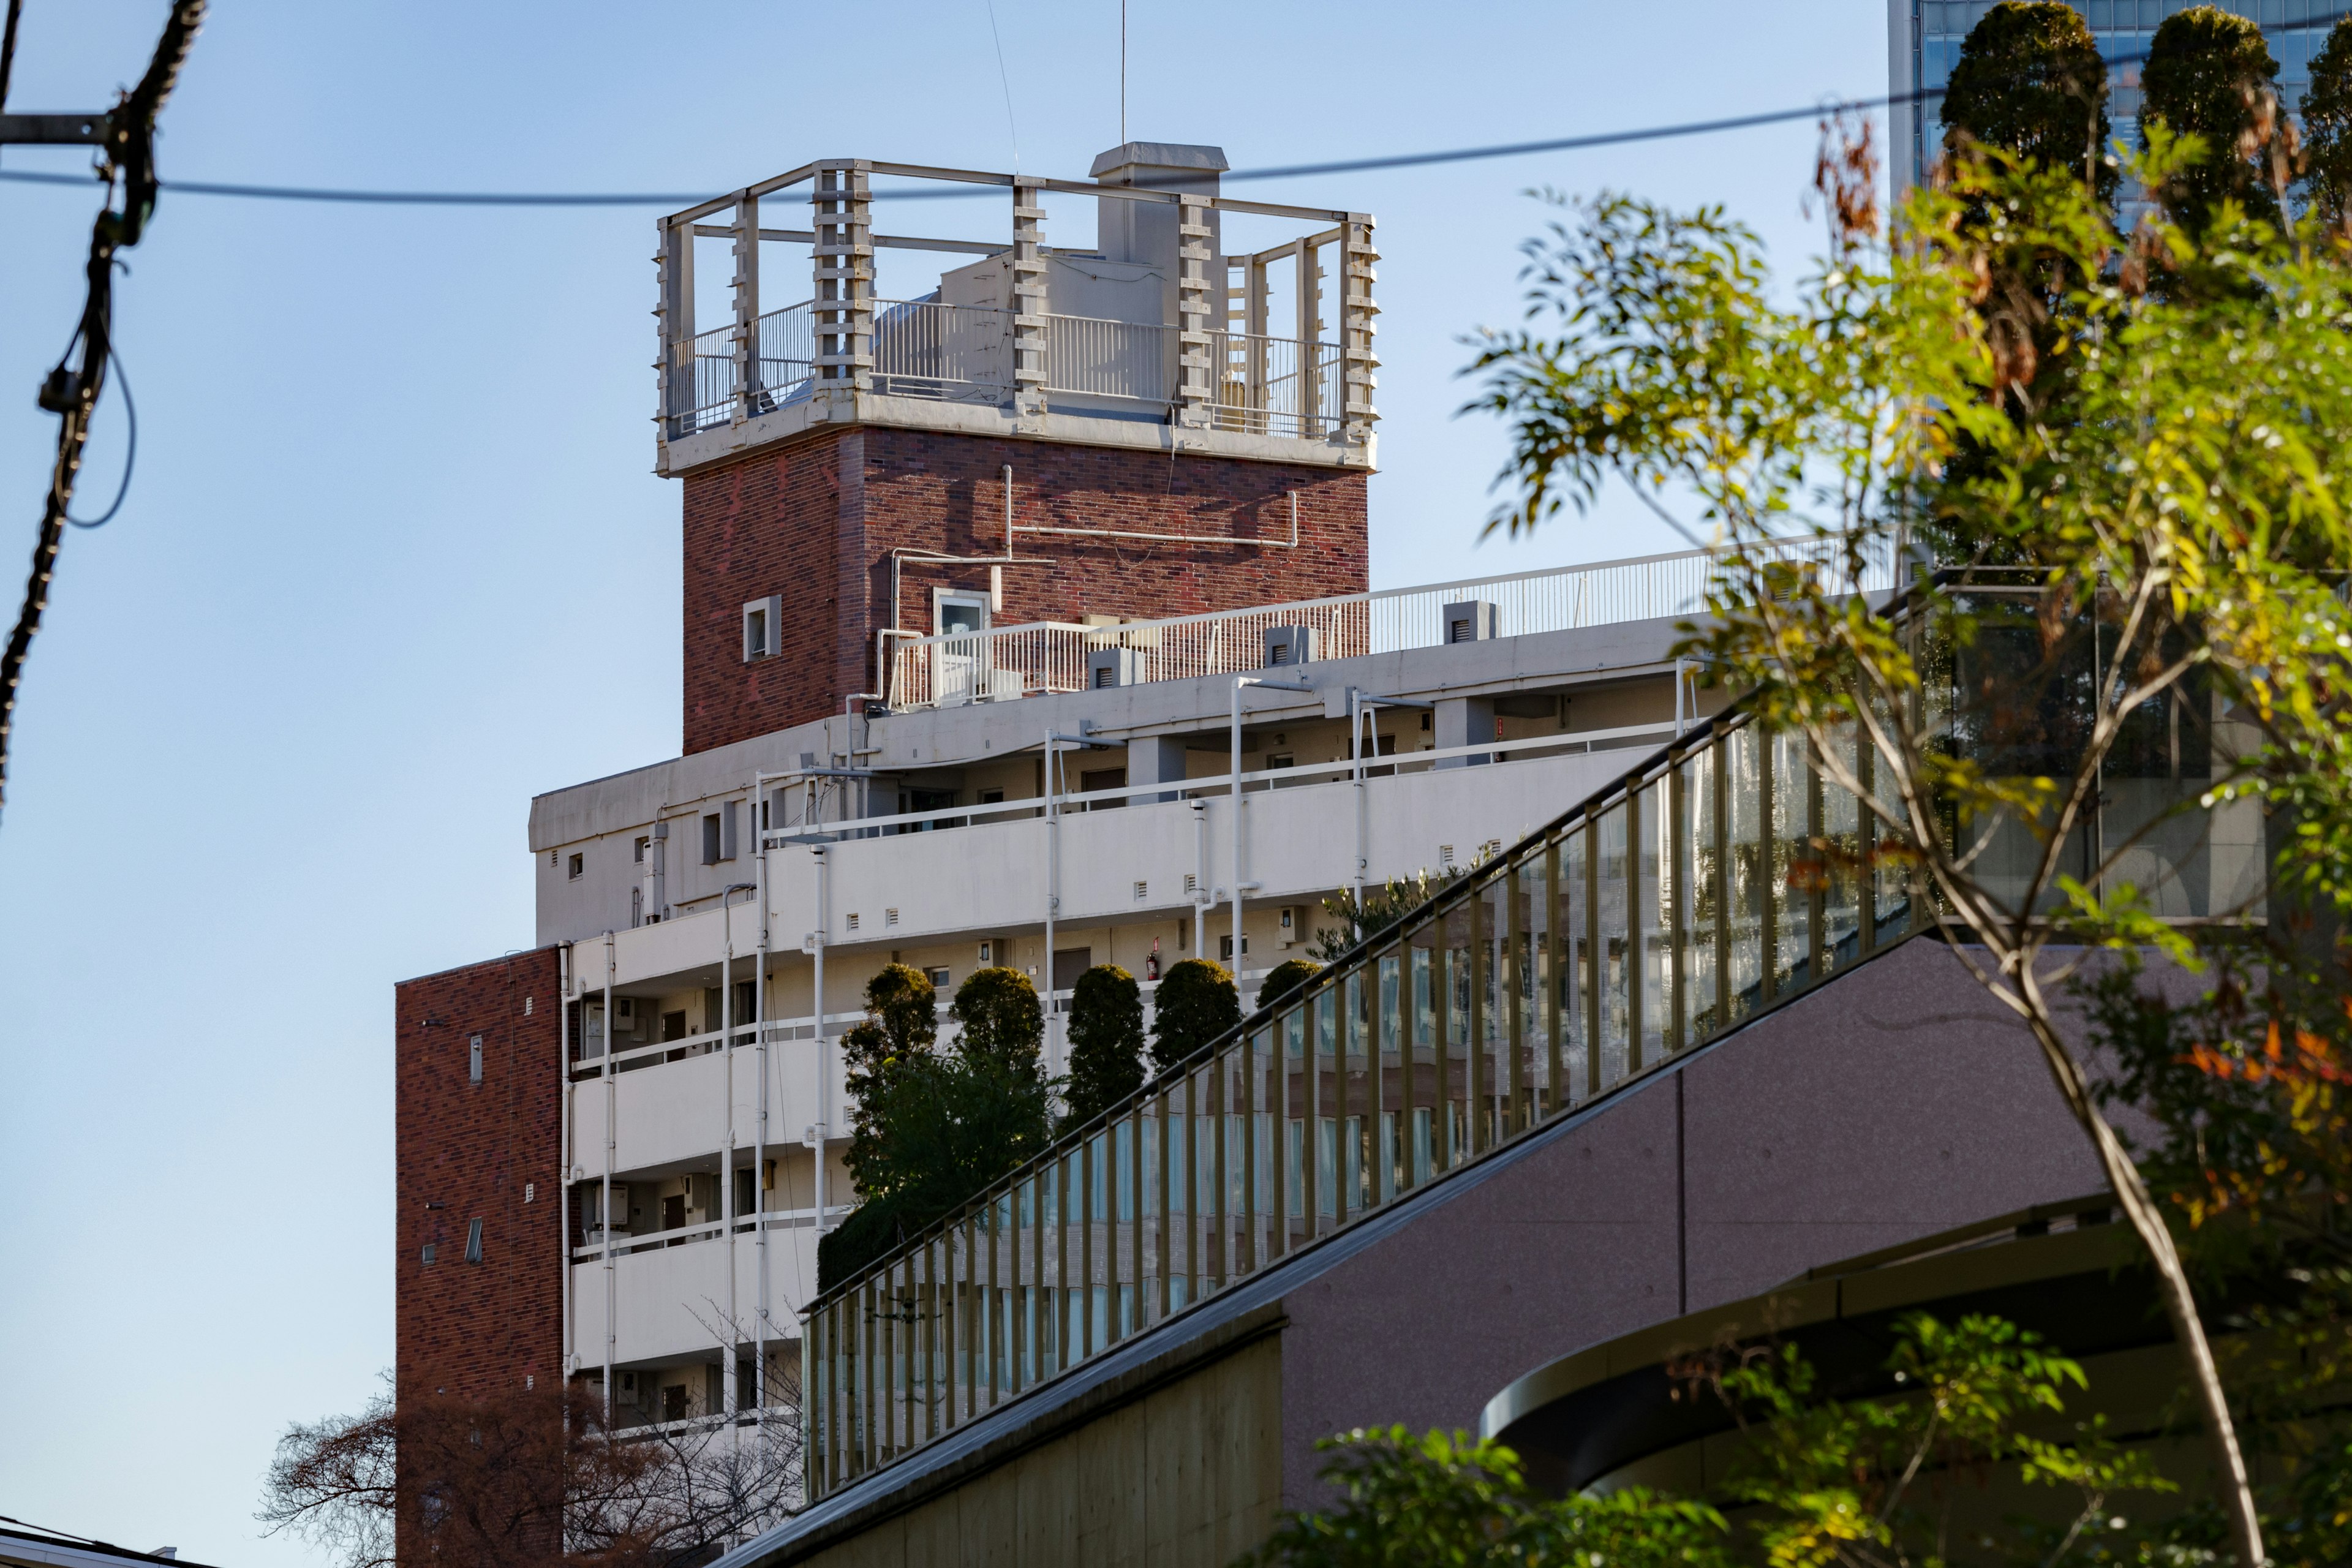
x=964 y=354
x=1721 y=876
x=1001 y=663
x=1208 y=361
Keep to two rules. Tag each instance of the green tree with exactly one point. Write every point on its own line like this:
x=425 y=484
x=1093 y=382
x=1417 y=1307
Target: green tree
x=2185 y=521
x=1001 y=1016
x=900 y=1026
x=1106 y=1043
x=2209 y=75
x=929 y=1127
x=1816 y=1482
x=2030 y=82
x=2248 y=1096
x=1285 y=977
x=2328 y=126
x=1359 y=922
x=1196 y=1003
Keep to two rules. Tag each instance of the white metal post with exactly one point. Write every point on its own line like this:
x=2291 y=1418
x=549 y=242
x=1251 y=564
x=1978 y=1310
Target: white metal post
x=823 y=934
x=605 y=1213
x=565 y=1195
x=727 y=1141
x=759 y=1122
x=747 y=307
x=1052 y=898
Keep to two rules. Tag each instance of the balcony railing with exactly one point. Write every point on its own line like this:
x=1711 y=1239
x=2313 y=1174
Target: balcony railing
x=1042 y=657
x=963 y=354
x=1721 y=876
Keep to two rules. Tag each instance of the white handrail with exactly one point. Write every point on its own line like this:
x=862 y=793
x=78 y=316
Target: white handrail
x=1040 y=658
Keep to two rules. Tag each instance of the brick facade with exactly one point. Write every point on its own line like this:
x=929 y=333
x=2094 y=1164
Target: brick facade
x=464 y=1151
x=815 y=521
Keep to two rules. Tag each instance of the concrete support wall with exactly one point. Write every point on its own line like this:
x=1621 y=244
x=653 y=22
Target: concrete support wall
x=1892 y=1104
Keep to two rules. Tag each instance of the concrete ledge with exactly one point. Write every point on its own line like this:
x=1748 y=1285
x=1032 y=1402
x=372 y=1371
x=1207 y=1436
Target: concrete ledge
x=837 y=410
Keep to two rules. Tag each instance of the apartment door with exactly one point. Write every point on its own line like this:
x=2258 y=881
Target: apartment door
x=959 y=667
x=1069 y=962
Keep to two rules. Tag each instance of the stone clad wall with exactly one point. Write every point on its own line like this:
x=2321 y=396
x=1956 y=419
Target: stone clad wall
x=815 y=521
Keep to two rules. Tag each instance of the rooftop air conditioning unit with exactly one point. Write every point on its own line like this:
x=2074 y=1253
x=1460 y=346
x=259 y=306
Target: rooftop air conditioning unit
x=1292 y=644
x=1471 y=620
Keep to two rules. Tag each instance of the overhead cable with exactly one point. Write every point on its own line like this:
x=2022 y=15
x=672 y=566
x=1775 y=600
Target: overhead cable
x=1276 y=171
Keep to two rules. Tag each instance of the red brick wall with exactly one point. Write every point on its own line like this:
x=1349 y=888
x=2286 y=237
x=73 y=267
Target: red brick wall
x=464 y=1149
x=816 y=520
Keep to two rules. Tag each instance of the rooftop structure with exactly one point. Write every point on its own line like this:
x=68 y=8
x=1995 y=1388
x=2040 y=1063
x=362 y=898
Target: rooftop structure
x=1153 y=325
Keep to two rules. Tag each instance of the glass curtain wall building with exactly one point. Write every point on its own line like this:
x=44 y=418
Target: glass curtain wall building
x=1924 y=38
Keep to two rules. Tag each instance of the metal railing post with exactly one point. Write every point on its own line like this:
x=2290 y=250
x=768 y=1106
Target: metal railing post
x=843 y=257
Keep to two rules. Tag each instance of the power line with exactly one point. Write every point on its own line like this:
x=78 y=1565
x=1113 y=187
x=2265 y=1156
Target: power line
x=1277 y=172
x=71 y=392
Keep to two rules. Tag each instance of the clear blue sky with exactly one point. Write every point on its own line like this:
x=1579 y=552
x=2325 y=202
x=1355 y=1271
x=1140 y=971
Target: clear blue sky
x=394 y=561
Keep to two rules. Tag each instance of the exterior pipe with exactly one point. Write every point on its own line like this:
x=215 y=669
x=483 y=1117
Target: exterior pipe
x=564 y=1197
x=1239 y=887
x=1201 y=899
x=1053 y=879
x=604 y=1213
x=1053 y=888
x=822 y=934
x=760 y=1135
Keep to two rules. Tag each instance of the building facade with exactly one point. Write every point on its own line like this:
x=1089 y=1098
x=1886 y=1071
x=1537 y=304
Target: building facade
x=1923 y=38
x=1026 y=623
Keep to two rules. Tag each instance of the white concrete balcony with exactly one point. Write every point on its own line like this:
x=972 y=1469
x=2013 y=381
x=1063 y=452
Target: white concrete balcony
x=675 y=1102
x=676 y=1294
x=1122 y=855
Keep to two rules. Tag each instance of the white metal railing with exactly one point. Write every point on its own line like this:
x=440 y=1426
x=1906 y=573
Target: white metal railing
x=1095 y=358
x=1041 y=658
x=923 y=348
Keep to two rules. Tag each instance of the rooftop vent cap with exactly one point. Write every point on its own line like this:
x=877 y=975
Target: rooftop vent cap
x=1109 y=667
x=1292 y=644
x=1471 y=620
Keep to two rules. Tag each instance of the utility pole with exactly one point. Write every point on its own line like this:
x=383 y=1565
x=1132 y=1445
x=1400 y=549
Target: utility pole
x=125 y=138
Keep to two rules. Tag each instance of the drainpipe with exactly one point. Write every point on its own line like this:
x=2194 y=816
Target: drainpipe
x=1052 y=898
x=611 y=1289
x=727 y=1389
x=563 y=1194
x=822 y=934
x=1239 y=887
x=759 y=1130
x=1054 y=874
x=1201 y=899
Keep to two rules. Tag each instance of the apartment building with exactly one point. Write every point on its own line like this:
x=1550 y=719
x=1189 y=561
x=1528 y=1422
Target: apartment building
x=1025 y=623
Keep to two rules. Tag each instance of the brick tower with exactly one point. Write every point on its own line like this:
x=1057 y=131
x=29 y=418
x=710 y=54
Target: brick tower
x=1044 y=433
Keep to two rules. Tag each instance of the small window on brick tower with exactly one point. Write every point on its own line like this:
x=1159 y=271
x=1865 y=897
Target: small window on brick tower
x=473 y=1241
x=474 y=1059
x=762 y=626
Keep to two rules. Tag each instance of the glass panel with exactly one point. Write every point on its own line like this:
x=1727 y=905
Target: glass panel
x=1697 y=875
x=1792 y=902
x=1494 y=999
x=1531 y=970
x=1650 y=929
x=1575 y=978
x=1742 y=754
x=1890 y=881
x=1453 y=1055
x=1839 y=858
x=1616 y=971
